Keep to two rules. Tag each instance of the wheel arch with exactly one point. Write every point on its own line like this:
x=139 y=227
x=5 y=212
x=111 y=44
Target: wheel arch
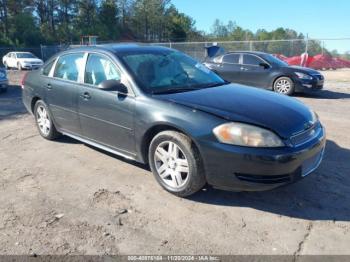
x=279 y=76
x=153 y=131
x=33 y=102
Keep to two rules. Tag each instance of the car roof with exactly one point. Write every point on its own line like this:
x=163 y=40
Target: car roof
x=248 y=52
x=116 y=48
x=21 y=52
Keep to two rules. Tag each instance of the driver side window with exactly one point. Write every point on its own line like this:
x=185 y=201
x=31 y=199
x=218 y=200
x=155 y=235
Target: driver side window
x=98 y=69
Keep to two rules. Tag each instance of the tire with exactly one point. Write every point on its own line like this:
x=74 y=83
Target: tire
x=44 y=122
x=19 y=67
x=284 y=85
x=184 y=157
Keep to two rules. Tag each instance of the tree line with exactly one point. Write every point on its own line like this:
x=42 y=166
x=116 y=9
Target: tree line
x=28 y=23
x=34 y=22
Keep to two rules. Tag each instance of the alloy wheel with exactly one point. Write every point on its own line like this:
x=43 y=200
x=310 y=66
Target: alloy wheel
x=43 y=120
x=171 y=164
x=283 y=86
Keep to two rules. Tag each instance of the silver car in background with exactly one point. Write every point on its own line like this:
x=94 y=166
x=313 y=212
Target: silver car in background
x=21 y=60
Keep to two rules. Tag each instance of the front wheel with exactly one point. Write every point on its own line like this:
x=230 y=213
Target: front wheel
x=44 y=122
x=284 y=85
x=176 y=163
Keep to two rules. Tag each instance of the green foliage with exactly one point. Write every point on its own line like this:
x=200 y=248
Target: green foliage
x=108 y=20
x=34 y=22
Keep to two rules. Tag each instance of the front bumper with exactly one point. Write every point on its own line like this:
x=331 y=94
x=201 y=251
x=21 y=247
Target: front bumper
x=256 y=169
x=302 y=85
x=30 y=66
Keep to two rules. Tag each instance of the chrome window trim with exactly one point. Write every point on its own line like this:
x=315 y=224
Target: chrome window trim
x=52 y=71
x=228 y=63
x=48 y=62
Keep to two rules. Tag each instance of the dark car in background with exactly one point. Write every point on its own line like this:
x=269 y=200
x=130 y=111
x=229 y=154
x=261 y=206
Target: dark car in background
x=159 y=106
x=264 y=70
x=3 y=80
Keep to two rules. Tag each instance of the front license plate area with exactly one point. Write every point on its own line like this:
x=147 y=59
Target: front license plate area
x=311 y=164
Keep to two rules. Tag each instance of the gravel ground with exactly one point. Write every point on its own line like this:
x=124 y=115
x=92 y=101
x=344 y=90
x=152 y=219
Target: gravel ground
x=64 y=197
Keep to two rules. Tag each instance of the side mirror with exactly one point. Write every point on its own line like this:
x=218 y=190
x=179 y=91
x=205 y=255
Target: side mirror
x=264 y=65
x=113 y=85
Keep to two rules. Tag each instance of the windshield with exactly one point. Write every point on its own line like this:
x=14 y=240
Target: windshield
x=274 y=60
x=165 y=71
x=25 y=55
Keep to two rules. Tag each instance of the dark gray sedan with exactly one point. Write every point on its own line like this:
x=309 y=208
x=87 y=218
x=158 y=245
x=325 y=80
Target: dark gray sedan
x=159 y=106
x=266 y=71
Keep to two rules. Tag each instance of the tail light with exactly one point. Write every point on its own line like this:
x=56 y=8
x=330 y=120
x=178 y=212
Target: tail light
x=23 y=79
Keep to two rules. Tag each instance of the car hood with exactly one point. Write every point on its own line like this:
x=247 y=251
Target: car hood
x=30 y=60
x=284 y=115
x=301 y=69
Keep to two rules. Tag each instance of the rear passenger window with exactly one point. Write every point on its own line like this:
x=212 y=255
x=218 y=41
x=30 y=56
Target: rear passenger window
x=47 y=68
x=251 y=60
x=98 y=69
x=68 y=66
x=231 y=58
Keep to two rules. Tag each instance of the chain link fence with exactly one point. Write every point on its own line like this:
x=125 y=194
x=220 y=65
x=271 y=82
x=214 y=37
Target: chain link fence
x=331 y=52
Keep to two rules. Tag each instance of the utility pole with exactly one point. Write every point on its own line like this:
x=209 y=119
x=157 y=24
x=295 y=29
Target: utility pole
x=322 y=47
x=307 y=43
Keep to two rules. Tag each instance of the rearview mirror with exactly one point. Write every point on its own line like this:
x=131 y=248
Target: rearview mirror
x=264 y=65
x=113 y=85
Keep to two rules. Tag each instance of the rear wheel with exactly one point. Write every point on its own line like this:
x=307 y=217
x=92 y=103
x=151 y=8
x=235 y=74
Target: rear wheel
x=44 y=121
x=176 y=163
x=284 y=85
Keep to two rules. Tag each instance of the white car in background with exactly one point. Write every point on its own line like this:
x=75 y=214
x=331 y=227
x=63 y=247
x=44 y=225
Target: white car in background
x=21 y=60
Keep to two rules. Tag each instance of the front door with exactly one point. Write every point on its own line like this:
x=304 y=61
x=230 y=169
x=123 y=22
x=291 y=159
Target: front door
x=229 y=68
x=106 y=117
x=252 y=73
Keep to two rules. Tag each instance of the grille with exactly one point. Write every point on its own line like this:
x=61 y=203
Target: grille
x=306 y=135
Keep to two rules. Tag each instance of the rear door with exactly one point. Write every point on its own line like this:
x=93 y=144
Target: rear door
x=229 y=67
x=106 y=117
x=252 y=73
x=62 y=91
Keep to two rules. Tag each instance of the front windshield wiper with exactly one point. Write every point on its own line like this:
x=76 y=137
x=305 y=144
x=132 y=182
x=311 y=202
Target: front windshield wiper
x=173 y=90
x=188 y=88
x=213 y=84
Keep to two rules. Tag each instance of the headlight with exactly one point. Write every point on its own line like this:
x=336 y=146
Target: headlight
x=303 y=76
x=246 y=135
x=314 y=117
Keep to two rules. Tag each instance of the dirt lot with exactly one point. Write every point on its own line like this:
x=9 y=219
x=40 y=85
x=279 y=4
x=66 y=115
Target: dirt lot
x=64 y=197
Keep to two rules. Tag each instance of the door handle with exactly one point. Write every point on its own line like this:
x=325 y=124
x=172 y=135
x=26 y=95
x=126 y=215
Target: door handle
x=244 y=68
x=86 y=95
x=48 y=86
